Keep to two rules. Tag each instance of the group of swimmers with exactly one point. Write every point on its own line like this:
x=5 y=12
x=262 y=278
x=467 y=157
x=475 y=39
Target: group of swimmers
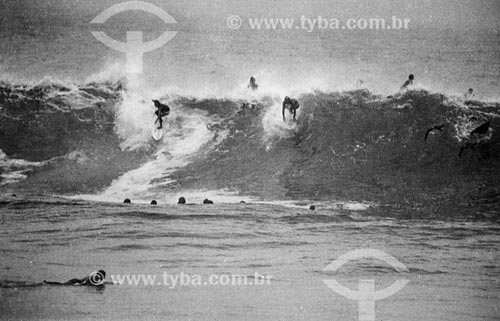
x=181 y=201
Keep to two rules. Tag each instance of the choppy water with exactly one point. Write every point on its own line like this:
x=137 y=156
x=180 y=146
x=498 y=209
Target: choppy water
x=452 y=265
x=94 y=142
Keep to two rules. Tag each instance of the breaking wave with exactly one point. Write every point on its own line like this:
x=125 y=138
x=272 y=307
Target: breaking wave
x=95 y=140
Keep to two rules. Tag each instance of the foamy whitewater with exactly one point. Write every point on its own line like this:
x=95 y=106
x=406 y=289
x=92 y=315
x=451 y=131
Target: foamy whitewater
x=412 y=174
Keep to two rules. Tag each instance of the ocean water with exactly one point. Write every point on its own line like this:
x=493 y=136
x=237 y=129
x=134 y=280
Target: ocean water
x=452 y=265
x=53 y=39
x=75 y=141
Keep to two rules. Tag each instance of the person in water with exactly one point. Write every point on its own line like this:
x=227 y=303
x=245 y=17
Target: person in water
x=253 y=84
x=162 y=111
x=94 y=279
x=407 y=83
x=469 y=94
x=292 y=105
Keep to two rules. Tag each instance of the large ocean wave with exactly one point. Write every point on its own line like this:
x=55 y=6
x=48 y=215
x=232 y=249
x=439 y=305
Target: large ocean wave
x=94 y=139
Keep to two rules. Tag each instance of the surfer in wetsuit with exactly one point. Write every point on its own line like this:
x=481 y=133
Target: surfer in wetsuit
x=292 y=105
x=253 y=84
x=163 y=110
x=407 y=83
x=94 y=279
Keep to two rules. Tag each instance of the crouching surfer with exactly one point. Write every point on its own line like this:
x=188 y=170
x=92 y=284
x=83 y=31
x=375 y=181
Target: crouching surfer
x=162 y=111
x=292 y=105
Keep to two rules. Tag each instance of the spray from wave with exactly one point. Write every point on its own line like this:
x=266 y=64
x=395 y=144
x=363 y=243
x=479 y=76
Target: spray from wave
x=94 y=140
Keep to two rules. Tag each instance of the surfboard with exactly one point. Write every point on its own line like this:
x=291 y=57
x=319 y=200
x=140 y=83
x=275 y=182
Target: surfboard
x=157 y=134
x=474 y=103
x=290 y=123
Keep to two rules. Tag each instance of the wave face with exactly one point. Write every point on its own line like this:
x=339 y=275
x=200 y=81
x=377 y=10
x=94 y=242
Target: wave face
x=68 y=132
x=346 y=145
x=358 y=146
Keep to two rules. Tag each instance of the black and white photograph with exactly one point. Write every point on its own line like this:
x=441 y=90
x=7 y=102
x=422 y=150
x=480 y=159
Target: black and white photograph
x=250 y=160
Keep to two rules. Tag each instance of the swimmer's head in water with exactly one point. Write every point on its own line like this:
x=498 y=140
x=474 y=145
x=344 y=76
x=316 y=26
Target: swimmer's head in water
x=471 y=90
x=252 y=79
x=411 y=77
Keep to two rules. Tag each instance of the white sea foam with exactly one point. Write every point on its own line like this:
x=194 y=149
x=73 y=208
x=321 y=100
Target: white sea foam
x=186 y=133
x=274 y=125
x=14 y=170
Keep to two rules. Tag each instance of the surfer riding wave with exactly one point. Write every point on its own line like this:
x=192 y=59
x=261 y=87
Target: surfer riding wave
x=292 y=105
x=162 y=111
